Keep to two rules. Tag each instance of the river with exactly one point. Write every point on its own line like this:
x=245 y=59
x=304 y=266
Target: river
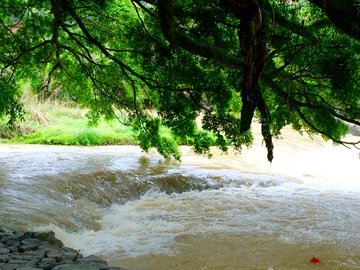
x=140 y=211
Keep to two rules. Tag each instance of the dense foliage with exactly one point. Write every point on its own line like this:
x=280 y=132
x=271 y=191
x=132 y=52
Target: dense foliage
x=175 y=63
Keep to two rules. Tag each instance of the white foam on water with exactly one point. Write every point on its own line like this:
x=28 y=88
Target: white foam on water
x=296 y=211
x=317 y=200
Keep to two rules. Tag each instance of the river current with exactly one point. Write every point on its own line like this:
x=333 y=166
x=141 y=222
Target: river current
x=236 y=211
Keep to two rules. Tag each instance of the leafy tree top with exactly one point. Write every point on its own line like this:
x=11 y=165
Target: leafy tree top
x=221 y=61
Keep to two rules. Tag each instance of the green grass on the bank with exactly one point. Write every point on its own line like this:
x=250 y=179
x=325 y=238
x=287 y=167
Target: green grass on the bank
x=76 y=132
x=53 y=123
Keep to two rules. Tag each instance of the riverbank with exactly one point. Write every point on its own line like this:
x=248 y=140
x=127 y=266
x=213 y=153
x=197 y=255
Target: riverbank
x=63 y=128
x=42 y=250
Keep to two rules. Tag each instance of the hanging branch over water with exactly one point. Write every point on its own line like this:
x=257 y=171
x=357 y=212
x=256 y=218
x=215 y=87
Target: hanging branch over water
x=252 y=36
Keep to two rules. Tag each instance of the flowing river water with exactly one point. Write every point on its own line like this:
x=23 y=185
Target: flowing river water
x=140 y=211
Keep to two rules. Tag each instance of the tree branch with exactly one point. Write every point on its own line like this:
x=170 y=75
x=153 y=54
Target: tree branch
x=17 y=58
x=176 y=38
x=296 y=105
x=103 y=49
x=302 y=116
x=295 y=28
x=345 y=14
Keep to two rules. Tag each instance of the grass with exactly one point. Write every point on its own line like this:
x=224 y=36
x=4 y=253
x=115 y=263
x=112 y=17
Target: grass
x=63 y=124
x=76 y=132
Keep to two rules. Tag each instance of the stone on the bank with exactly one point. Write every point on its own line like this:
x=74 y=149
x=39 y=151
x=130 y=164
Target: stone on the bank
x=42 y=250
x=71 y=266
x=28 y=268
x=39 y=254
x=13 y=249
x=10 y=241
x=28 y=247
x=70 y=253
x=47 y=263
x=4 y=259
x=33 y=241
x=4 y=250
x=17 y=257
x=18 y=261
x=112 y=268
x=94 y=261
x=49 y=237
x=57 y=256
x=49 y=248
x=9 y=267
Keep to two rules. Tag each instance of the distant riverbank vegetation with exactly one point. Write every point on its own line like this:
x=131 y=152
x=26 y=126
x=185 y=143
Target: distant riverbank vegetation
x=62 y=122
x=56 y=119
x=59 y=120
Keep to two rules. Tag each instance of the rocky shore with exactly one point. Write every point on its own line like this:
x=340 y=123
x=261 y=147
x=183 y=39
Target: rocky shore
x=42 y=250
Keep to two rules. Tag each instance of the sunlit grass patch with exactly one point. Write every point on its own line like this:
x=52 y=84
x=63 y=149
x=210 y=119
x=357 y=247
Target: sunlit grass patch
x=53 y=122
x=77 y=132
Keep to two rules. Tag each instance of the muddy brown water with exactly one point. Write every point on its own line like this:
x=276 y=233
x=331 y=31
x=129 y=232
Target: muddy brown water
x=140 y=211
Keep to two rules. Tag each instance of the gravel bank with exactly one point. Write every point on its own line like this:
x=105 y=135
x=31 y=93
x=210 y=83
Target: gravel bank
x=42 y=250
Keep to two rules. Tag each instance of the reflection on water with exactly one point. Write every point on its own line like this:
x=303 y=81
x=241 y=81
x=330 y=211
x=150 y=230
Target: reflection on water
x=140 y=211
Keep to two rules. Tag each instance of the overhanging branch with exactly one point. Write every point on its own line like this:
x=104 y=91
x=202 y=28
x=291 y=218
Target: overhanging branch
x=295 y=28
x=23 y=53
x=345 y=14
x=296 y=105
x=148 y=81
x=309 y=123
x=176 y=38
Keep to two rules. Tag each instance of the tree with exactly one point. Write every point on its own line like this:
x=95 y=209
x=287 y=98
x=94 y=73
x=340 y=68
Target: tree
x=223 y=61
